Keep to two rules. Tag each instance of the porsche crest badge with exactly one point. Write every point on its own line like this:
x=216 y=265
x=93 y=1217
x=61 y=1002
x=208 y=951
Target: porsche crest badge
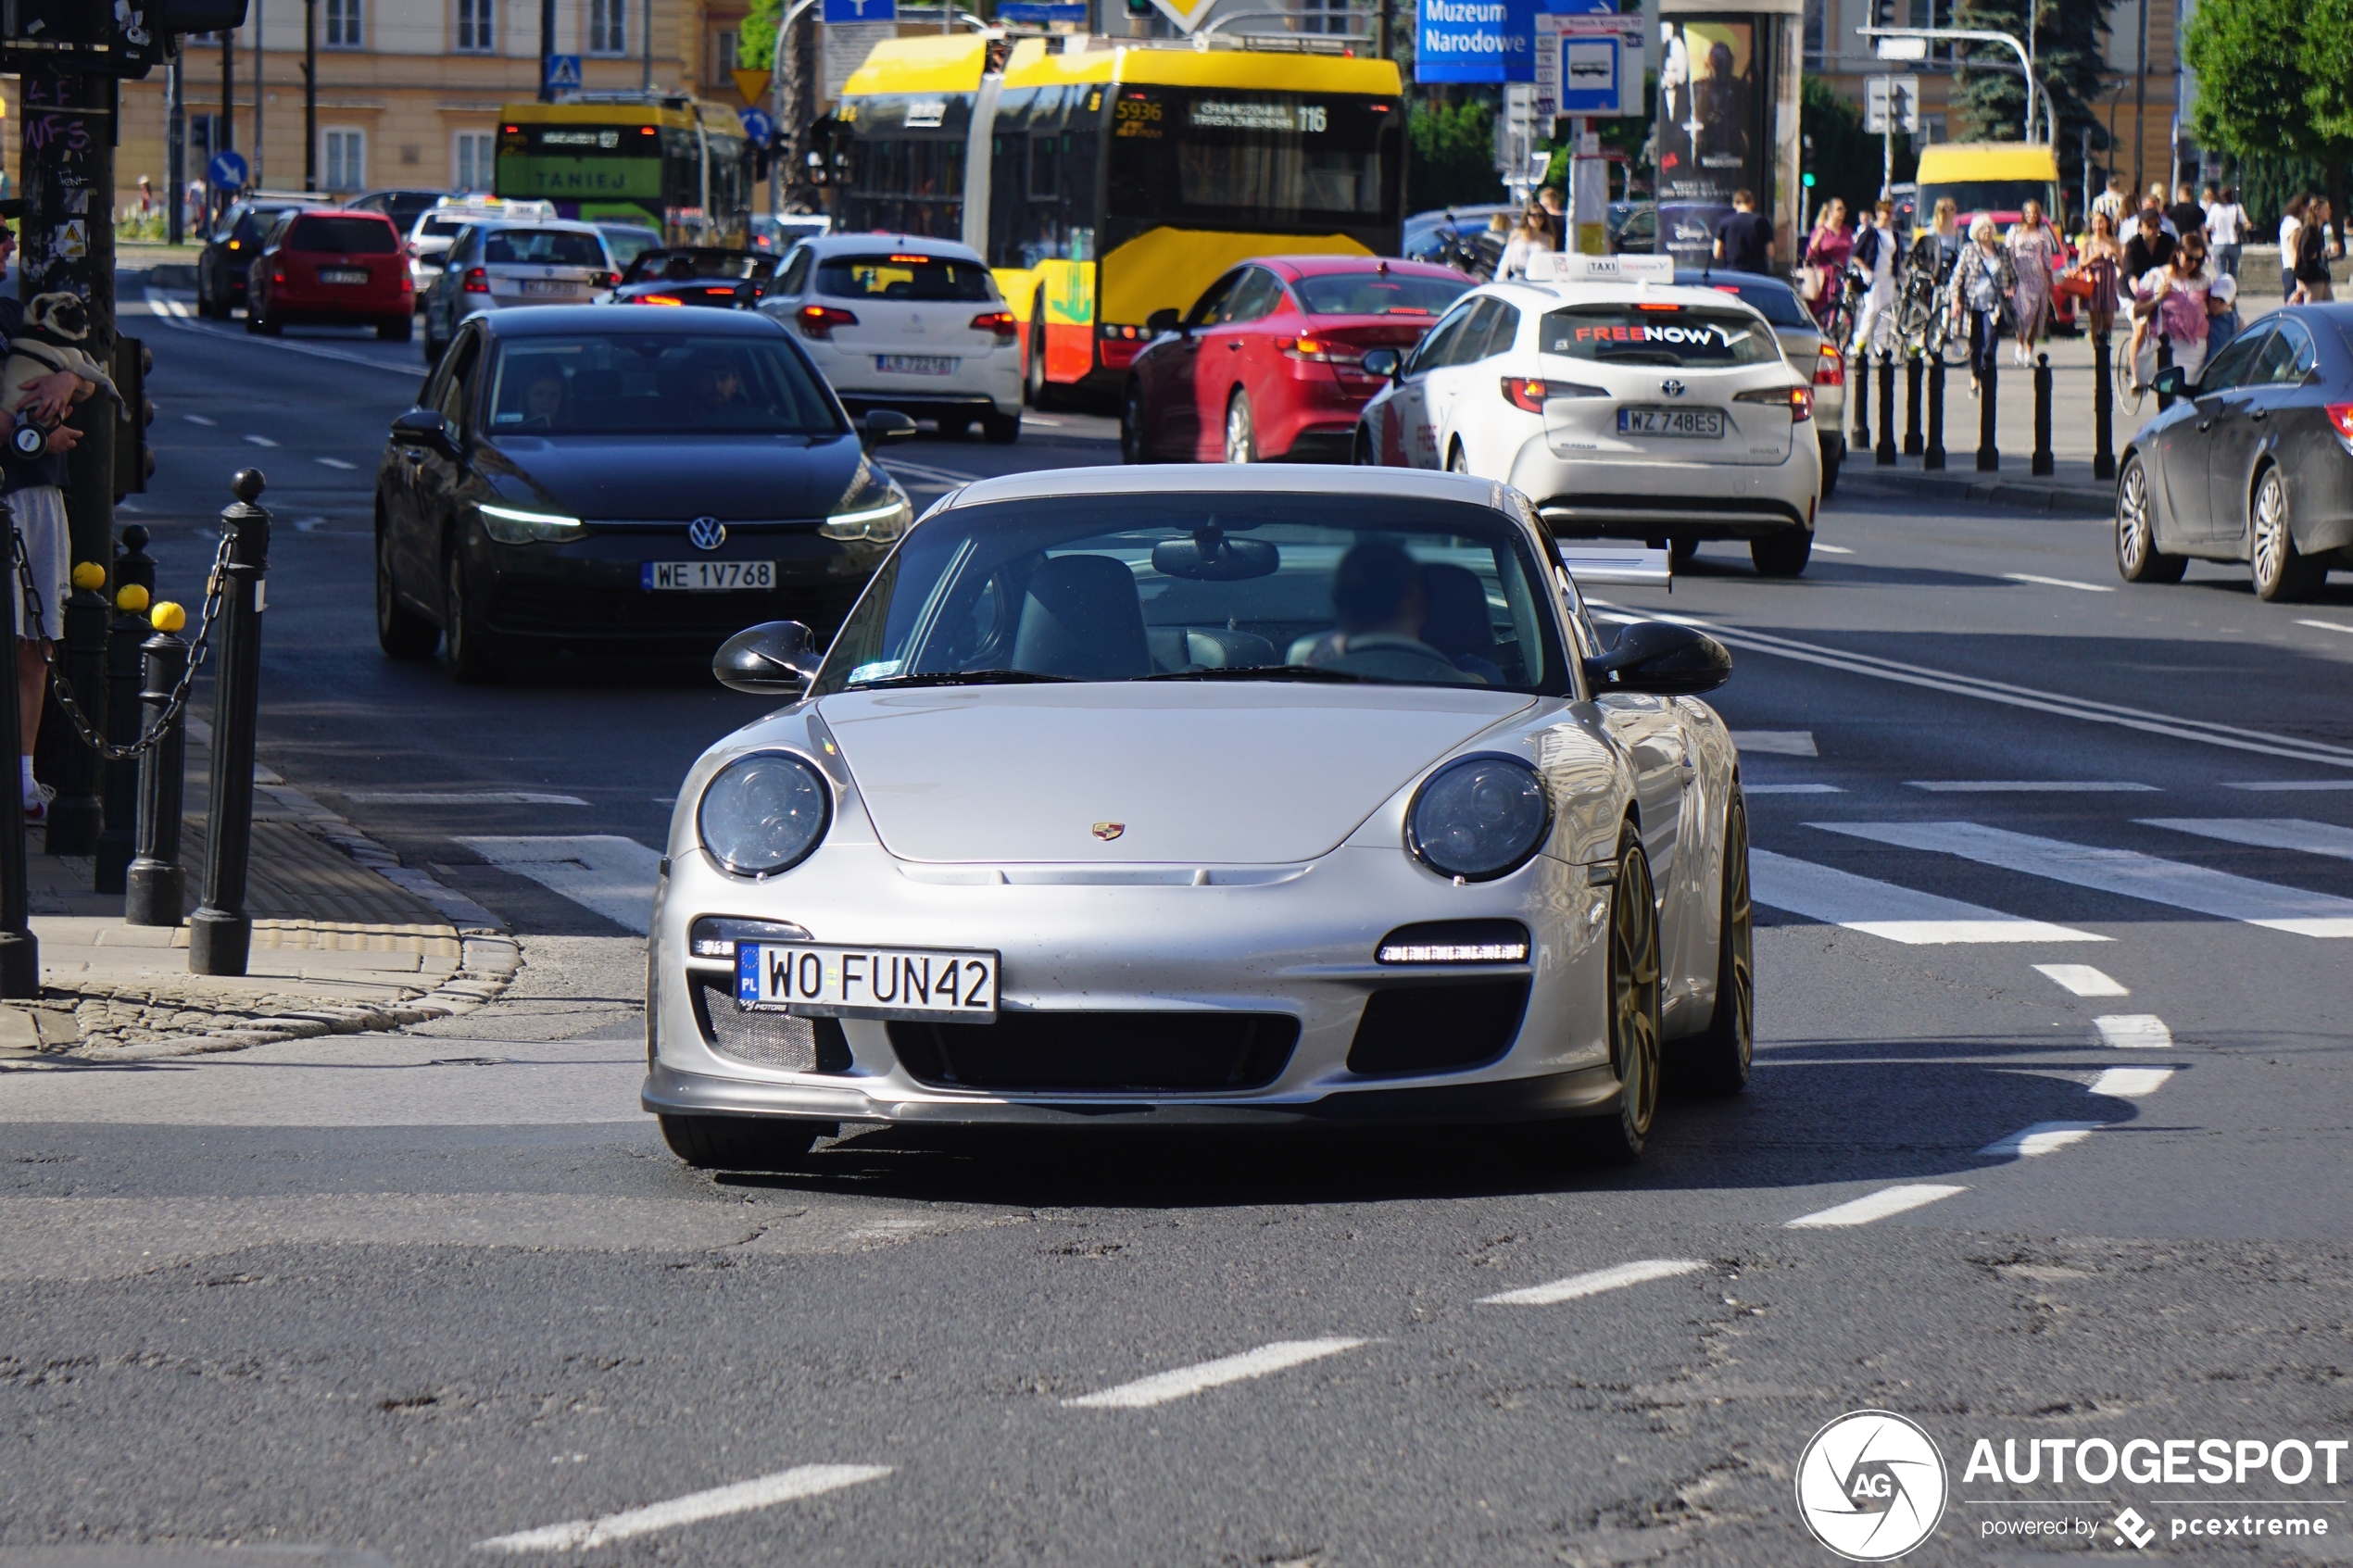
x=1109 y=831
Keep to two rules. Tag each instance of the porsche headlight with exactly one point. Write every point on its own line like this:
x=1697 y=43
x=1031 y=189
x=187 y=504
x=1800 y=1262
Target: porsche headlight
x=872 y=508
x=1478 y=818
x=763 y=814
x=510 y=525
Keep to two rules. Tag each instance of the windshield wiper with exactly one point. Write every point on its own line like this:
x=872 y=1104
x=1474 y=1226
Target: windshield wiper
x=957 y=678
x=1260 y=672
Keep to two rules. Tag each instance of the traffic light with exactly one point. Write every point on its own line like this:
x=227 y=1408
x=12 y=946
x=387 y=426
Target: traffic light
x=135 y=460
x=124 y=40
x=1883 y=13
x=1141 y=9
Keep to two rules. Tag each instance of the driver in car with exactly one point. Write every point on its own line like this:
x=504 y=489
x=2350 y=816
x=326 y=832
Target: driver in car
x=1382 y=605
x=714 y=384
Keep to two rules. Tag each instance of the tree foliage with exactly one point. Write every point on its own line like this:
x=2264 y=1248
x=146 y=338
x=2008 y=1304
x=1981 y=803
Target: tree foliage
x=1453 y=160
x=1846 y=159
x=2275 y=83
x=2068 y=49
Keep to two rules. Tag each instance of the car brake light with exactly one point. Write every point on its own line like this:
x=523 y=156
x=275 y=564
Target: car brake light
x=659 y=299
x=1524 y=392
x=1798 y=400
x=1001 y=323
x=1830 y=368
x=608 y=280
x=1646 y=305
x=277 y=277
x=819 y=320
x=477 y=281
x=1319 y=350
x=2340 y=415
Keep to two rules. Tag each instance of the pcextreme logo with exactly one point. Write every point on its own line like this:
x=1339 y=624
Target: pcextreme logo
x=1871 y=1485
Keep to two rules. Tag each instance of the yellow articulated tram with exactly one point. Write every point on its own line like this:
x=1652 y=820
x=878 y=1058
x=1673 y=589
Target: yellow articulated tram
x=1105 y=178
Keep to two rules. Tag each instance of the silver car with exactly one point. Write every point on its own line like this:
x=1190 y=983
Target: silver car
x=1184 y=795
x=502 y=264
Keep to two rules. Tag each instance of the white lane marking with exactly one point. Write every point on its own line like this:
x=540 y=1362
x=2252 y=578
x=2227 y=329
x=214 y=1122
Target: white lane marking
x=1776 y=742
x=1883 y=908
x=614 y=876
x=2265 y=832
x=2130 y=1082
x=2123 y=871
x=2292 y=784
x=463 y=798
x=1792 y=789
x=2040 y=1138
x=200 y=420
x=1579 y=1286
x=337 y=463
x=2059 y=582
x=1877 y=1206
x=261 y=441
x=2029 y=787
x=1186 y=1381
x=924 y=471
x=1822 y=550
x=579 y=1535
x=176 y=314
x=2085 y=709
x=2082 y=979
x=2135 y=1031
x=2327 y=626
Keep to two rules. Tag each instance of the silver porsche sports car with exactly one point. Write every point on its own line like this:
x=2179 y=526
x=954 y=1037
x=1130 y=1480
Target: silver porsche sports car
x=1205 y=796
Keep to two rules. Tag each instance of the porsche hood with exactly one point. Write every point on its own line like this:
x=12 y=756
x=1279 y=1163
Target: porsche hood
x=1249 y=774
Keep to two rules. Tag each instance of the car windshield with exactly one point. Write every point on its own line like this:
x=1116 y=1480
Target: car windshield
x=627 y=244
x=904 y=276
x=1676 y=335
x=440 y=228
x=1207 y=587
x=544 y=247
x=1377 y=294
x=347 y=236
x=653 y=382
x=679 y=266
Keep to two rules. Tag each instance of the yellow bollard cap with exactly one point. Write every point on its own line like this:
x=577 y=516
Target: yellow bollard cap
x=131 y=598
x=89 y=575
x=168 y=617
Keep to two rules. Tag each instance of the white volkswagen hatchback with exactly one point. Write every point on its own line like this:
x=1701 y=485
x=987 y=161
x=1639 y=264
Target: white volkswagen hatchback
x=899 y=321
x=1627 y=408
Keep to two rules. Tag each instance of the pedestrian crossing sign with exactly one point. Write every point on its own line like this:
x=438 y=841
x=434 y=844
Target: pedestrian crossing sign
x=563 y=73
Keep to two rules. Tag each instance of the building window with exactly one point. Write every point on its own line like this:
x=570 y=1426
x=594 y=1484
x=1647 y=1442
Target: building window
x=470 y=155
x=477 y=33
x=609 y=27
x=1817 y=25
x=346 y=156
x=723 y=47
x=1323 y=16
x=342 y=19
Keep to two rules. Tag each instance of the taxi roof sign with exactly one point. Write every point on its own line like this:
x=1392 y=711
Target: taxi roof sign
x=1558 y=266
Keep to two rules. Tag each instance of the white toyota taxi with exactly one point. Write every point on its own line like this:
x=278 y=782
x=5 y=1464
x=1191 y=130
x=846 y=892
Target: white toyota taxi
x=1623 y=406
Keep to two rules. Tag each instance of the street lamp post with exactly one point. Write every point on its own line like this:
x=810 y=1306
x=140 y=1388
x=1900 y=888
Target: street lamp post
x=1904 y=48
x=776 y=88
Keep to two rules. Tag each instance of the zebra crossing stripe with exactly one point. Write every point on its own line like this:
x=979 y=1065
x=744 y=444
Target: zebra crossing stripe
x=612 y=875
x=1884 y=910
x=2265 y=832
x=2123 y=871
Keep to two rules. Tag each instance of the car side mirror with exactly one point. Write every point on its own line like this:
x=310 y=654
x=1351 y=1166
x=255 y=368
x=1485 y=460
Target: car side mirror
x=774 y=659
x=1383 y=362
x=1660 y=659
x=1166 y=320
x=881 y=427
x=2171 y=381
x=426 y=428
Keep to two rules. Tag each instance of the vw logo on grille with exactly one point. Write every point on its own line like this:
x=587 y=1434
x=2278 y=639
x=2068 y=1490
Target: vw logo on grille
x=707 y=532
x=1672 y=388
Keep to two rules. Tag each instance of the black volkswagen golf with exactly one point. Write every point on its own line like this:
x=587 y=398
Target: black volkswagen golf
x=2253 y=462
x=581 y=476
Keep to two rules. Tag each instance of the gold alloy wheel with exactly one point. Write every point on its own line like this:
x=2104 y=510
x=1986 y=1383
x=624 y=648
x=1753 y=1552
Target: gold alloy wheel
x=1634 y=1008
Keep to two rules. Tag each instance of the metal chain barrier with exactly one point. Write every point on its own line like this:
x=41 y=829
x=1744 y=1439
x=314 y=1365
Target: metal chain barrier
x=214 y=586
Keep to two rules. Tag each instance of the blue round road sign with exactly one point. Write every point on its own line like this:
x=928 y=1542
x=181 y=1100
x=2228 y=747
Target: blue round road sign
x=758 y=127
x=227 y=171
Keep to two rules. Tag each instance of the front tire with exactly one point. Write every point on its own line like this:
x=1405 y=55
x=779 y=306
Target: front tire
x=1000 y=430
x=2137 y=556
x=2283 y=574
x=1457 y=460
x=1717 y=1061
x=400 y=632
x=1036 y=388
x=1241 y=429
x=740 y=1143
x=1618 y=1137
x=1681 y=550
x=1135 y=446
x=1833 y=458
x=1783 y=554
x=475 y=657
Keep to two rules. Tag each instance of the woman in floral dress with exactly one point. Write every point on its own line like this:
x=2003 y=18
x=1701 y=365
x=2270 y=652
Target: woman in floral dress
x=2034 y=253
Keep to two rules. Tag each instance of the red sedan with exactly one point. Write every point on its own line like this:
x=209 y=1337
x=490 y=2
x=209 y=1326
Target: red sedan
x=1270 y=362
x=335 y=267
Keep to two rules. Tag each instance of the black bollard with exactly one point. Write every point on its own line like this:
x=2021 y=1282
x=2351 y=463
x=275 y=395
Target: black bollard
x=20 y=950
x=118 y=839
x=1932 y=455
x=2164 y=362
x=2102 y=410
x=154 y=888
x=1912 y=404
x=1884 y=454
x=1859 y=388
x=75 y=815
x=2043 y=462
x=220 y=932
x=1988 y=456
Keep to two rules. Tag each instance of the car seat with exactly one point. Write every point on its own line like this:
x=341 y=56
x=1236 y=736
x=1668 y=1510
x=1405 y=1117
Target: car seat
x=1081 y=619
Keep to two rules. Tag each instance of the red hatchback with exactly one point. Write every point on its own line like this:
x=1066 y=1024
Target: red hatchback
x=335 y=267
x=1270 y=362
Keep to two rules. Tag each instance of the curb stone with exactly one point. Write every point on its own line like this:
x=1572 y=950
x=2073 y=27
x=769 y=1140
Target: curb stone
x=2068 y=500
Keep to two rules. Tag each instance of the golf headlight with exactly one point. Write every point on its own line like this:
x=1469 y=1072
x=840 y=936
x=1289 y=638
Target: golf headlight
x=872 y=508
x=1478 y=818
x=509 y=525
x=763 y=814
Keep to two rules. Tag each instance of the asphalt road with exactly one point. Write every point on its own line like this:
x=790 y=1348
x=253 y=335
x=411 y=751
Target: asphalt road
x=2056 y=1070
